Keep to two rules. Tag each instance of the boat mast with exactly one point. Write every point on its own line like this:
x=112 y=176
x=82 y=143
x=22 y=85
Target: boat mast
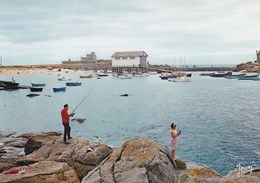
x=1 y=61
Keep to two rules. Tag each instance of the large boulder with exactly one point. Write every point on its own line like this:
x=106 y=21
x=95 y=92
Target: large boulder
x=36 y=140
x=79 y=154
x=42 y=172
x=31 y=148
x=13 y=150
x=199 y=174
x=252 y=176
x=138 y=160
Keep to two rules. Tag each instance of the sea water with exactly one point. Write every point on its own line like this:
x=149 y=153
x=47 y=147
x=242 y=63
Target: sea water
x=219 y=118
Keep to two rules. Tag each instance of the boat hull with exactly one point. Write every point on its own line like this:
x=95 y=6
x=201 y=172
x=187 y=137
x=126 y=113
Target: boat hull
x=38 y=85
x=62 y=89
x=73 y=84
x=90 y=76
x=36 y=89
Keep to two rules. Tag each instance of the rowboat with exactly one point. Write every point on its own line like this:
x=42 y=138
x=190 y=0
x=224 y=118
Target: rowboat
x=89 y=76
x=73 y=84
x=8 y=83
x=34 y=89
x=125 y=76
x=100 y=74
x=61 y=89
x=38 y=85
x=63 y=78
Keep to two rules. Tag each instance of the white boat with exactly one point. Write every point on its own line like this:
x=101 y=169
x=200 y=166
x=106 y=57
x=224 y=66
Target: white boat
x=125 y=76
x=180 y=79
x=63 y=78
x=102 y=74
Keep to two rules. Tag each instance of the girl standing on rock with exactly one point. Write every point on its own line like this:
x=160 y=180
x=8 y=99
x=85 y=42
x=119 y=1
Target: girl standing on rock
x=174 y=135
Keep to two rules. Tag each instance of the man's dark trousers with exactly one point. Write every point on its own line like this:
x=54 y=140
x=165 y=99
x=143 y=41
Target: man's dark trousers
x=66 y=131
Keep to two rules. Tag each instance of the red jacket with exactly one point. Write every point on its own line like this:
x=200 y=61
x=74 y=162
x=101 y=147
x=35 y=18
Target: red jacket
x=65 y=116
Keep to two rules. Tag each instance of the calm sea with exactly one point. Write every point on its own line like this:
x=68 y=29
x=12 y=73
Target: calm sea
x=219 y=118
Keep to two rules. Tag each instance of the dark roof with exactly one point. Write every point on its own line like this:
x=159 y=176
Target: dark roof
x=129 y=54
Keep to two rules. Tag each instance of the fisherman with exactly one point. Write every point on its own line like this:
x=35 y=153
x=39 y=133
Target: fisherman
x=174 y=134
x=66 y=122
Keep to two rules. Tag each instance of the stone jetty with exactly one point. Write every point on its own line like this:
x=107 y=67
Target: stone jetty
x=44 y=158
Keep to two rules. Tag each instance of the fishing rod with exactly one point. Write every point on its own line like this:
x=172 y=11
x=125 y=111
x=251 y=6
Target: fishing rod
x=83 y=99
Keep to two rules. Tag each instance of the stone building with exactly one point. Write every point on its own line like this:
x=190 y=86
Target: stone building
x=258 y=55
x=90 y=58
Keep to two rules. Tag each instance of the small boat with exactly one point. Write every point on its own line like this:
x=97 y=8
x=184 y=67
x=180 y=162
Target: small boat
x=11 y=88
x=249 y=77
x=89 y=76
x=34 y=89
x=221 y=74
x=125 y=76
x=180 y=79
x=73 y=84
x=100 y=74
x=9 y=83
x=166 y=76
x=61 y=89
x=38 y=85
x=63 y=78
x=234 y=76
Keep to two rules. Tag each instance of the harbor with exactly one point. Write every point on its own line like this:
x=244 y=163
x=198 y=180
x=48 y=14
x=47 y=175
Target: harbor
x=150 y=104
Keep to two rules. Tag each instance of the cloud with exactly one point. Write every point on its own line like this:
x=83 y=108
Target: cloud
x=206 y=31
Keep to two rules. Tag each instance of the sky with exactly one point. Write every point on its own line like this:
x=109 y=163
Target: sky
x=194 y=32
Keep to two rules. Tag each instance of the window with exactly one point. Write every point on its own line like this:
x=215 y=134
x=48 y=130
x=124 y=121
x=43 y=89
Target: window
x=117 y=58
x=132 y=58
x=124 y=58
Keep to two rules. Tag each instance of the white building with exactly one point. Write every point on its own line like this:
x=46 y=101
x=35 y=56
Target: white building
x=129 y=59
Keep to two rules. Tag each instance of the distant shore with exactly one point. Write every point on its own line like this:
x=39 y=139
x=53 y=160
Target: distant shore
x=30 y=70
x=105 y=65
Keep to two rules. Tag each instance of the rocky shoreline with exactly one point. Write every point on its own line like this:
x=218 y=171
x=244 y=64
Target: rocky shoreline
x=44 y=158
x=250 y=66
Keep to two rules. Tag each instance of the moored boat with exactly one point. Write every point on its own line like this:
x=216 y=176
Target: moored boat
x=125 y=76
x=221 y=74
x=63 y=78
x=249 y=77
x=89 y=76
x=234 y=75
x=61 y=89
x=166 y=76
x=38 y=84
x=101 y=74
x=11 y=88
x=36 y=89
x=9 y=83
x=73 y=84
